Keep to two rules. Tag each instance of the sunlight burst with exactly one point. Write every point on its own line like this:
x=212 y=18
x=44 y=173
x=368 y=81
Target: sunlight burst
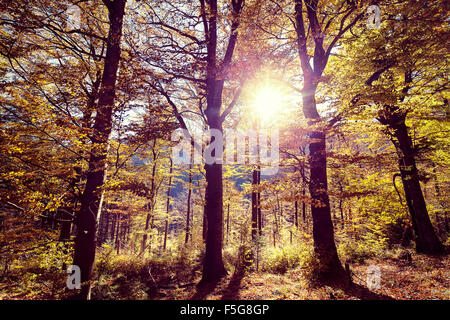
x=269 y=102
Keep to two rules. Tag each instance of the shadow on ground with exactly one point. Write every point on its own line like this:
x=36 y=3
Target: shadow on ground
x=361 y=292
x=203 y=289
x=232 y=290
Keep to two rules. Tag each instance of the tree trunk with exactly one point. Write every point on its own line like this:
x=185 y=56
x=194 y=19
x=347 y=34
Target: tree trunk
x=254 y=205
x=304 y=196
x=442 y=204
x=258 y=201
x=274 y=239
x=204 y=221
x=85 y=241
x=188 y=210
x=425 y=236
x=228 y=220
x=303 y=181
x=330 y=267
x=275 y=222
x=152 y=201
x=118 y=234
x=213 y=266
x=113 y=226
x=296 y=214
x=166 y=227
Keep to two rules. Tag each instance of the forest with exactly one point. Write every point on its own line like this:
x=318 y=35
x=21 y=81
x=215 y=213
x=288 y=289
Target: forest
x=224 y=150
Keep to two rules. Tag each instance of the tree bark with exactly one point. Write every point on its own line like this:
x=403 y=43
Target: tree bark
x=188 y=210
x=323 y=234
x=330 y=268
x=166 y=227
x=113 y=225
x=152 y=200
x=442 y=204
x=213 y=266
x=296 y=214
x=204 y=220
x=258 y=200
x=228 y=220
x=425 y=236
x=118 y=234
x=254 y=205
x=85 y=241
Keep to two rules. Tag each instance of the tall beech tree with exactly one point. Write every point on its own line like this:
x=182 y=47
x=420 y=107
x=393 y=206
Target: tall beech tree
x=316 y=33
x=91 y=203
x=394 y=79
x=213 y=268
x=193 y=52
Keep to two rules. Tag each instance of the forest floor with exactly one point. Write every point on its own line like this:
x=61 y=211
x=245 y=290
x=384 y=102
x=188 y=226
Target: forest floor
x=414 y=277
x=422 y=278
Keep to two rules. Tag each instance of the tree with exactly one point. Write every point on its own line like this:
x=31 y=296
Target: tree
x=188 y=207
x=45 y=61
x=201 y=69
x=85 y=241
x=318 y=30
x=396 y=75
x=166 y=223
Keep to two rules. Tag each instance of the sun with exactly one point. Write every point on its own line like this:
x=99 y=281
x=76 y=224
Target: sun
x=268 y=102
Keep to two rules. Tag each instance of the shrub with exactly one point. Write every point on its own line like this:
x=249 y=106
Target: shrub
x=280 y=260
x=368 y=246
x=42 y=272
x=130 y=276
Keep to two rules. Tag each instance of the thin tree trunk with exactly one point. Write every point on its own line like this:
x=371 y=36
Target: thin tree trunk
x=275 y=221
x=302 y=173
x=274 y=239
x=228 y=219
x=188 y=210
x=258 y=200
x=341 y=212
x=91 y=202
x=152 y=200
x=254 y=204
x=442 y=204
x=113 y=226
x=204 y=219
x=166 y=227
x=117 y=234
x=296 y=214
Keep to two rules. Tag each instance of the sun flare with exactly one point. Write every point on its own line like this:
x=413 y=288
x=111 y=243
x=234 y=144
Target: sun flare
x=269 y=102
